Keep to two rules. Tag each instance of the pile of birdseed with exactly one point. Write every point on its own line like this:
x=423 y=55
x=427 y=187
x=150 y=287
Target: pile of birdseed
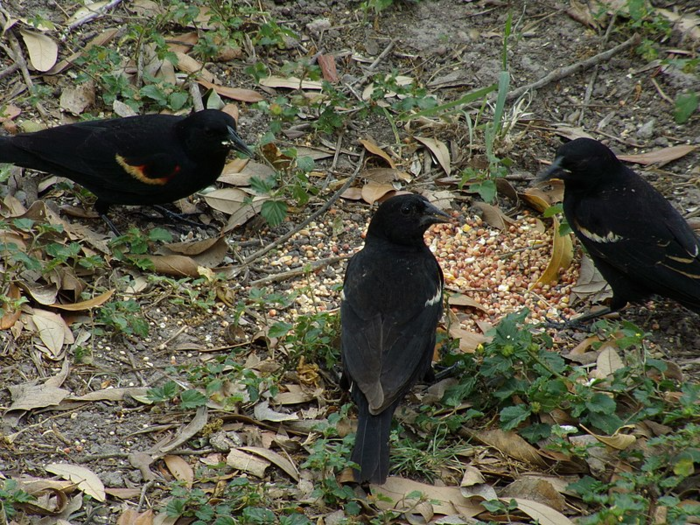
x=499 y=269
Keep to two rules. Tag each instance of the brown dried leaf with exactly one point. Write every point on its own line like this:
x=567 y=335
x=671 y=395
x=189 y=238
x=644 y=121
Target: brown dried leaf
x=459 y=299
x=193 y=66
x=276 y=459
x=239 y=172
x=562 y=255
x=76 y=99
x=660 y=157
x=249 y=463
x=227 y=200
x=10 y=317
x=374 y=149
x=468 y=341
x=542 y=514
x=372 y=192
x=383 y=175
x=96 y=301
x=581 y=12
x=112 y=394
x=511 y=444
x=439 y=150
x=29 y=396
x=42 y=49
x=352 y=194
x=131 y=516
x=53 y=331
x=447 y=501
x=327 y=65
x=86 y=10
x=493 y=216
x=609 y=361
x=84 y=478
x=175 y=265
x=618 y=440
x=180 y=469
x=291 y=83
x=240 y=94
x=590 y=285
x=535 y=489
x=102 y=38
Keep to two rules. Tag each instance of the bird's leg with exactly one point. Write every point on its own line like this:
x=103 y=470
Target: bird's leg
x=102 y=208
x=577 y=322
x=110 y=224
x=180 y=217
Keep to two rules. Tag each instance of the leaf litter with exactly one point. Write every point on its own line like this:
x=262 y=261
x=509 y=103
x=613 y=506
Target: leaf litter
x=528 y=242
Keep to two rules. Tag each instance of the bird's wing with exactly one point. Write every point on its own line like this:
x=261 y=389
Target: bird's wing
x=99 y=148
x=389 y=319
x=648 y=239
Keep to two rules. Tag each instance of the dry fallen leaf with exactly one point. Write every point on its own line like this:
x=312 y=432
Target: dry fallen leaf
x=374 y=149
x=493 y=216
x=660 y=157
x=248 y=463
x=180 y=469
x=439 y=150
x=240 y=94
x=447 y=501
x=327 y=65
x=373 y=192
x=84 y=478
x=291 y=83
x=76 y=99
x=562 y=255
x=42 y=49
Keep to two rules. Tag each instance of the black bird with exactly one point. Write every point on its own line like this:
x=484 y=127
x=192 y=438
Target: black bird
x=140 y=160
x=638 y=241
x=391 y=304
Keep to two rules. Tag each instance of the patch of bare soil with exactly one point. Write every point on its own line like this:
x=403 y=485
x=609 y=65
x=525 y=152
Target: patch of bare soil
x=83 y=402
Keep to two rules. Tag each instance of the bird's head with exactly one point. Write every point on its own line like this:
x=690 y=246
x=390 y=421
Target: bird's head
x=582 y=161
x=211 y=131
x=404 y=219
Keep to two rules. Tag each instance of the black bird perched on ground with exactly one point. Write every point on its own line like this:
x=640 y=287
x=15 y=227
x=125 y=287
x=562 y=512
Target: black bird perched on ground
x=141 y=160
x=638 y=241
x=392 y=302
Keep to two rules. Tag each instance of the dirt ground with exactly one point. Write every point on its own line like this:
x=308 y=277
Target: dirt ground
x=450 y=47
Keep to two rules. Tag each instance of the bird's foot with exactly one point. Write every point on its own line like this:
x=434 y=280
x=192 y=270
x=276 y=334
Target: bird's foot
x=181 y=218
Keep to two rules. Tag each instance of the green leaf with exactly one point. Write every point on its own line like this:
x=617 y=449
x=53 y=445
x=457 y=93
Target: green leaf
x=511 y=417
x=274 y=212
x=686 y=104
x=279 y=329
x=192 y=399
x=305 y=164
x=601 y=404
x=487 y=190
x=160 y=234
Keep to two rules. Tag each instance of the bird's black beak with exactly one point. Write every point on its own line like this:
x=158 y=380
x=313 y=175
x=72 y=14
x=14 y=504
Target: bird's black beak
x=555 y=171
x=433 y=215
x=237 y=143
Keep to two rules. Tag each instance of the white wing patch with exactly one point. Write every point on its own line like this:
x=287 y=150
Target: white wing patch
x=436 y=298
x=610 y=237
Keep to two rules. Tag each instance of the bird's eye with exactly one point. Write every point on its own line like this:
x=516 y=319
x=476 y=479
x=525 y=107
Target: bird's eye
x=406 y=210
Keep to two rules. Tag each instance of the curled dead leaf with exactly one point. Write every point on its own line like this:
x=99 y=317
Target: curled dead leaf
x=561 y=257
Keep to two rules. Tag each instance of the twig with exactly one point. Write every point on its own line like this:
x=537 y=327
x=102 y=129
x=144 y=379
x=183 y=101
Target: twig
x=9 y=70
x=196 y=96
x=564 y=72
x=373 y=65
x=661 y=91
x=594 y=75
x=289 y=274
x=94 y=14
x=308 y=220
x=18 y=56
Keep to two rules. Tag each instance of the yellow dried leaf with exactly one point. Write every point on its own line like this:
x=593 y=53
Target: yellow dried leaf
x=562 y=255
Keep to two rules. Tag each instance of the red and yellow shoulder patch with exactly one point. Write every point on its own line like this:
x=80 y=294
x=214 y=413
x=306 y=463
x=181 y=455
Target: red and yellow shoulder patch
x=139 y=173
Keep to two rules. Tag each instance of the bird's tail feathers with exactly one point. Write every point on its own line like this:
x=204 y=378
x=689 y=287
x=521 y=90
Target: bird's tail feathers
x=371 y=451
